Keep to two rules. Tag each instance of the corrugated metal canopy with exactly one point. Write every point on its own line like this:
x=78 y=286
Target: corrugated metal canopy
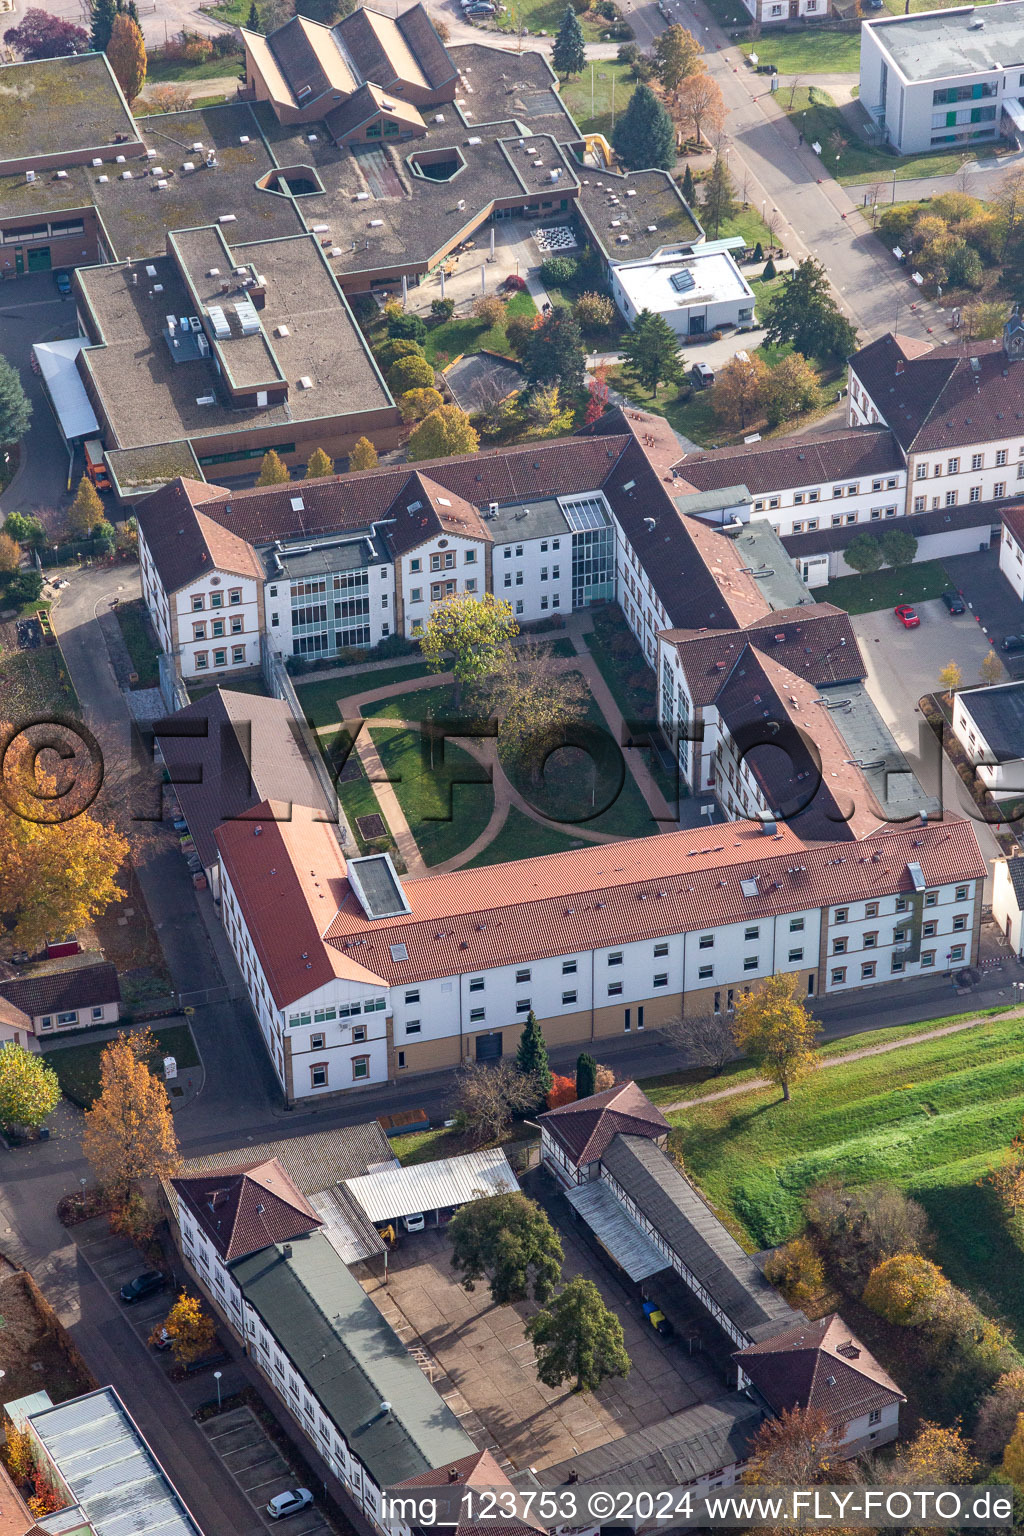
x=64 y=385
x=437 y=1186
x=616 y=1230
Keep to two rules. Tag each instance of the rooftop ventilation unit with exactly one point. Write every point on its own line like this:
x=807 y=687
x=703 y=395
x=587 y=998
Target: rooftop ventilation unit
x=282 y=330
x=214 y=272
x=243 y=138
x=206 y=399
x=100 y=179
x=226 y=218
x=62 y=175
x=305 y=382
x=119 y=159
x=218 y=320
x=97 y=161
x=197 y=148
x=150 y=271
x=187 y=167
x=248 y=319
x=126 y=175
x=376 y=223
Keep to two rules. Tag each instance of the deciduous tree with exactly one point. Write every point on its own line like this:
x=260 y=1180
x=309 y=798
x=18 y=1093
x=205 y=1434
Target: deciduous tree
x=705 y=1037
x=597 y=397
x=857 y=1228
x=415 y=404
x=951 y=677
x=42 y=36
x=487 y=1099
x=389 y=351
x=475 y=630
x=126 y=55
x=738 y=393
x=797 y=1449
x=444 y=432
x=10 y=554
x=991 y=669
x=273 y=470
x=192 y=1331
x=410 y=373
x=577 y=1338
x=363 y=455
x=719 y=200
x=85 y=511
x=677 y=57
x=864 y=554
x=999 y=1413
x=509 y=1238
x=594 y=311
x=547 y=412
x=535 y=702
x=1013 y=1455
x=15 y=406
x=569 y=54
x=805 y=313
x=906 y=1289
x=700 y=105
x=129 y=1131
x=937 y=1454
x=29 y=1090
x=899 y=547
x=790 y=388
x=797 y=1270
x=532 y=1054
x=168 y=97
x=644 y=137
x=24 y=529
x=651 y=352
x=319 y=465
x=775 y=1031
x=586 y=1075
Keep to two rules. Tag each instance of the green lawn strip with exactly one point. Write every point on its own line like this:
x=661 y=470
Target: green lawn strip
x=632 y=685
x=607 y=73
x=36 y=680
x=425 y=1146
x=932 y=1117
x=523 y=838
x=417 y=704
x=447 y=803
x=887 y=587
x=858 y=162
x=809 y=52
x=140 y=642
x=456 y=338
x=234 y=11
x=542 y=16
x=748 y=223
x=161 y=69
x=320 y=700
x=78 y=1066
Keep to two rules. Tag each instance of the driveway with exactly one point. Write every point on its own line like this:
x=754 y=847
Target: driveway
x=903 y=665
x=991 y=601
x=32 y=310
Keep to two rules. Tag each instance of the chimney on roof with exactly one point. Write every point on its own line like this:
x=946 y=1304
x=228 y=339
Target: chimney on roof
x=900 y=365
x=286 y=1250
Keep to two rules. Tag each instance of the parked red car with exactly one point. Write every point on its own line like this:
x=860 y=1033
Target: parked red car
x=907 y=616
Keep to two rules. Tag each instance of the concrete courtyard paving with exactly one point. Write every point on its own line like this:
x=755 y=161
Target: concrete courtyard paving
x=483 y=1351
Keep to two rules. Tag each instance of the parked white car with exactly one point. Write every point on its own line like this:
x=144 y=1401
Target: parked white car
x=289 y=1503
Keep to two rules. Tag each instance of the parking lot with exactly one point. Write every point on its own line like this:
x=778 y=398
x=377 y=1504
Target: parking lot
x=487 y=1363
x=258 y=1467
x=992 y=601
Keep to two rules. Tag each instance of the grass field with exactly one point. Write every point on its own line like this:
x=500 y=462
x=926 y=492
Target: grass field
x=603 y=84
x=457 y=337
x=811 y=52
x=33 y=681
x=78 y=1066
x=887 y=587
x=217 y=67
x=320 y=700
x=446 y=803
x=523 y=838
x=138 y=638
x=932 y=1118
x=819 y=121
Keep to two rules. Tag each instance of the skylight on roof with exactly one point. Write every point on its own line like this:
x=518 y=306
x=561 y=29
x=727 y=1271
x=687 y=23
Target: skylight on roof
x=749 y=887
x=375 y=881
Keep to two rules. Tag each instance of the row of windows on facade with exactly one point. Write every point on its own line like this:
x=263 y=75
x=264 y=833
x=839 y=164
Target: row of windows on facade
x=327 y=1015
x=220 y=658
x=869 y=968
x=977 y=462
x=70 y=1017
x=217 y=630
x=444 y=561
x=799 y=497
x=952 y=498
x=899 y=935
x=842 y=519
x=234 y=595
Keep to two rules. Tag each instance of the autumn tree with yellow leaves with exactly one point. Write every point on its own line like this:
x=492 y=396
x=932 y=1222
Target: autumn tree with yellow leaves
x=192 y=1331
x=775 y=1031
x=129 y=1131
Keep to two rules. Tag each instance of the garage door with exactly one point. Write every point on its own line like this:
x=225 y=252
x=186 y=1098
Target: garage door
x=488 y=1047
x=39 y=258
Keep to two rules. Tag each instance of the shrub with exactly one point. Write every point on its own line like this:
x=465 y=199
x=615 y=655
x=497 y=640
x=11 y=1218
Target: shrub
x=489 y=308
x=410 y=373
x=797 y=1270
x=518 y=329
x=224 y=44
x=407 y=327
x=558 y=269
x=514 y=283
x=23 y=587
x=758 y=252
x=442 y=309
x=390 y=351
x=594 y=311
x=196 y=49
x=562 y=1091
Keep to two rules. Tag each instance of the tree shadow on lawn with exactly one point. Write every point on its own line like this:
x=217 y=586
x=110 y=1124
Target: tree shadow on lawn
x=977 y=1249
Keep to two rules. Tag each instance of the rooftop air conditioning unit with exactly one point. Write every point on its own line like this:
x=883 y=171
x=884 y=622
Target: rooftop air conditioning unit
x=119 y=159
x=206 y=399
x=227 y=218
x=305 y=382
x=126 y=175
x=97 y=161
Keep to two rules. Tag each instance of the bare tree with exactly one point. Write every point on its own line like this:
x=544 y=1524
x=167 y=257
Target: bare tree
x=875 y=193
x=700 y=104
x=706 y=1038
x=487 y=1098
x=1008 y=196
x=792 y=90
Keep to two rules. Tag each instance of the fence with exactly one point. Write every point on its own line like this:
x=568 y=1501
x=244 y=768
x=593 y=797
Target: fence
x=277 y=680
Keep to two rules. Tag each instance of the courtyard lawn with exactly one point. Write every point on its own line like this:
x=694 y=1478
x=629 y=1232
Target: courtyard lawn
x=417 y=704
x=810 y=52
x=932 y=1118
x=160 y=68
x=34 y=681
x=748 y=223
x=819 y=121
x=523 y=838
x=320 y=700
x=138 y=637
x=603 y=84
x=457 y=337
x=543 y=16
x=887 y=587
x=78 y=1066
x=447 y=802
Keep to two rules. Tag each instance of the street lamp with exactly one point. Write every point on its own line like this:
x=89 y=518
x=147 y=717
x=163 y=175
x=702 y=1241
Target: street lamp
x=217 y=1376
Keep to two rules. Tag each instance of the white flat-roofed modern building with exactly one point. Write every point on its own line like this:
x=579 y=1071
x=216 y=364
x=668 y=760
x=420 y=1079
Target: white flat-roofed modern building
x=695 y=288
x=945 y=77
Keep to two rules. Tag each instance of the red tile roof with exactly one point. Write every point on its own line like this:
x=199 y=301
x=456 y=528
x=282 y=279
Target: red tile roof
x=289 y=876
x=586 y=1126
x=247 y=1208
x=13 y=1016
x=186 y=544
x=819 y=1365
x=82 y=986
x=848 y=454
x=949 y=397
x=422 y=509
x=1013 y=517
x=817 y=642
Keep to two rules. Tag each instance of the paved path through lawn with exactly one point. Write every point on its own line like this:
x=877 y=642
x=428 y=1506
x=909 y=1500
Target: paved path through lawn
x=756 y=1083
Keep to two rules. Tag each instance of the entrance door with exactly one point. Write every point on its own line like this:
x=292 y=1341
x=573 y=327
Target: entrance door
x=19 y=260
x=39 y=258
x=488 y=1047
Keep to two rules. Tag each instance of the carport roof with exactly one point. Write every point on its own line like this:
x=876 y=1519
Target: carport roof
x=450 y=1181
x=616 y=1230
x=58 y=364
x=352 y=1359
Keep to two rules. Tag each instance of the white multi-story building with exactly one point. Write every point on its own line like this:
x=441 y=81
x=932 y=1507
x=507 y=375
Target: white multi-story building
x=943 y=78
x=357 y=976
x=1011 y=548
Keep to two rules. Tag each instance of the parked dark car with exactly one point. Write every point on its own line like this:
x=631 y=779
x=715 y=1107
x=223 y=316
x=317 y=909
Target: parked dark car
x=146 y=1284
x=1013 y=643
x=954 y=602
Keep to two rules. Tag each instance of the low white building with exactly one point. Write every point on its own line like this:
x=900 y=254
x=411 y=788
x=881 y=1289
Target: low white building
x=1008 y=901
x=942 y=78
x=1011 y=549
x=697 y=289
x=989 y=724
